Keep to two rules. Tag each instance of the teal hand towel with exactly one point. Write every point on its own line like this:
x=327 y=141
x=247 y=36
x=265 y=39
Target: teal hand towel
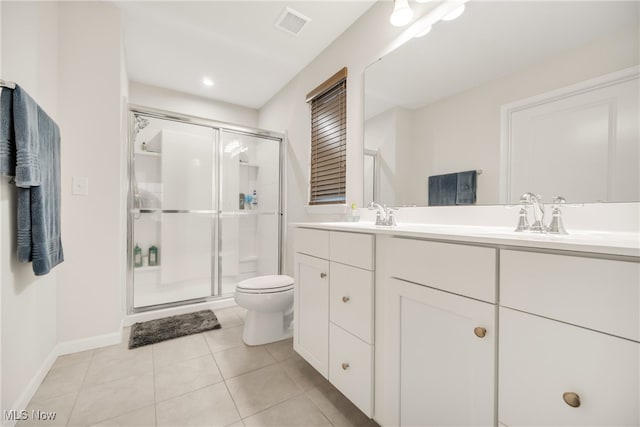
x=7 y=136
x=38 y=181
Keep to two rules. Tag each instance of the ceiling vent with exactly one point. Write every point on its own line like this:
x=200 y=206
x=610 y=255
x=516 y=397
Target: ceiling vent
x=292 y=21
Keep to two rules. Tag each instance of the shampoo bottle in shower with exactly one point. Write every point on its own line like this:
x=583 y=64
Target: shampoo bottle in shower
x=254 y=201
x=137 y=256
x=153 y=255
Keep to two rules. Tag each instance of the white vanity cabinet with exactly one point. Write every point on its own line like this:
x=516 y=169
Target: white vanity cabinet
x=569 y=352
x=333 y=305
x=436 y=320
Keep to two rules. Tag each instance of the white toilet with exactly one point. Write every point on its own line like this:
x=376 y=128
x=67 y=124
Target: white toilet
x=269 y=304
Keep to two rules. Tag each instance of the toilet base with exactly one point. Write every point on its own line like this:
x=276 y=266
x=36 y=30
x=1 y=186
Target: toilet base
x=264 y=327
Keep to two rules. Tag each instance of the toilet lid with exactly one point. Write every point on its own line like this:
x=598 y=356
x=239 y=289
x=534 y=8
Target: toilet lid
x=264 y=283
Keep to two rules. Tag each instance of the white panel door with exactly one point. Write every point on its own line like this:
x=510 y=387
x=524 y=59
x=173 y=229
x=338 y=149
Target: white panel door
x=446 y=372
x=311 y=308
x=584 y=146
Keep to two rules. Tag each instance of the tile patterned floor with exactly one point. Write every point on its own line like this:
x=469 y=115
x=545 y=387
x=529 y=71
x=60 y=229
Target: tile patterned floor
x=208 y=379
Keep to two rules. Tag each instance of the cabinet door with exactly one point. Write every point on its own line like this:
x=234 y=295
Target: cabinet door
x=542 y=359
x=311 y=310
x=446 y=354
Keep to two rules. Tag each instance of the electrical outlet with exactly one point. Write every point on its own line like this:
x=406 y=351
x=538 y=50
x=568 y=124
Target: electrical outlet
x=80 y=186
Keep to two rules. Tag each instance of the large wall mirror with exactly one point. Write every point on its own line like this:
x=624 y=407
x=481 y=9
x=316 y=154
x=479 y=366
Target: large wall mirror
x=539 y=96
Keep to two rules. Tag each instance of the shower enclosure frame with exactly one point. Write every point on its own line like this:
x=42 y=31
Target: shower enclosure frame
x=221 y=128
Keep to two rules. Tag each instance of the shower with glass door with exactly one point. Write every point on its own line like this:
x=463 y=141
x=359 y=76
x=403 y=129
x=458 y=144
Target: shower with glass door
x=204 y=208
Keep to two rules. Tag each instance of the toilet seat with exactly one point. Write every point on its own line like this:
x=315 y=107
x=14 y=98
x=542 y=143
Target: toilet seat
x=265 y=284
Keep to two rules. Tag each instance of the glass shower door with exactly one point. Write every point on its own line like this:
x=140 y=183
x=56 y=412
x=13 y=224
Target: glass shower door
x=174 y=213
x=250 y=217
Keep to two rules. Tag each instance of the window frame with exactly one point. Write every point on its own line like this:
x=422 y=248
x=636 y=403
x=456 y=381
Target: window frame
x=328 y=144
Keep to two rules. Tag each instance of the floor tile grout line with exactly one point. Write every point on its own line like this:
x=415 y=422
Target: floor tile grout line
x=153 y=370
x=226 y=386
x=75 y=402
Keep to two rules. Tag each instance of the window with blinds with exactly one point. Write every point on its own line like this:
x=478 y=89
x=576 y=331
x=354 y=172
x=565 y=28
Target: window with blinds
x=328 y=141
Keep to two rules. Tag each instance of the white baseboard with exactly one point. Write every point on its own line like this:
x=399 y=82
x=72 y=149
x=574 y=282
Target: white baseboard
x=75 y=346
x=173 y=311
x=28 y=393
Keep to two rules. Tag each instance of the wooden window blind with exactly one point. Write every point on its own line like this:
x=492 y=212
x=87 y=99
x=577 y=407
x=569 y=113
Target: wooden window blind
x=328 y=141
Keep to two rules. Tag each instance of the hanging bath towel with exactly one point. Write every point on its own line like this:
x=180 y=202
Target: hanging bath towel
x=37 y=176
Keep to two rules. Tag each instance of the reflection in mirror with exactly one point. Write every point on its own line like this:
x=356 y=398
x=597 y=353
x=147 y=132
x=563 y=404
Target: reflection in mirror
x=541 y=96
x=370 y=176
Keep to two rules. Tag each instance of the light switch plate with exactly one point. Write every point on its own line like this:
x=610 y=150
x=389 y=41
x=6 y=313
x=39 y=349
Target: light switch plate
x=80 y=186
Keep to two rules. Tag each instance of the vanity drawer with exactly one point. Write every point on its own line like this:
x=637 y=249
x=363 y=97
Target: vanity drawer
x=598 y=294
x=352 y=248
x=351 y=367
x=312 y=242
x=351 y=300
x=465 y=270
x=541 y=360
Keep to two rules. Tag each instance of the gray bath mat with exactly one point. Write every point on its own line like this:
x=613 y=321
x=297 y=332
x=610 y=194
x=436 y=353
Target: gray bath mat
x=154 y=331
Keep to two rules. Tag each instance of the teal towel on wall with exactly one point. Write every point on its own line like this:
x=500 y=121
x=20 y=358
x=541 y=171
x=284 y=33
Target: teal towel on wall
x=37 y=178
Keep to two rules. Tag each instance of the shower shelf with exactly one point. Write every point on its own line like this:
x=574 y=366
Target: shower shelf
x=250 y=165
x=147 y=269
x=147 y=153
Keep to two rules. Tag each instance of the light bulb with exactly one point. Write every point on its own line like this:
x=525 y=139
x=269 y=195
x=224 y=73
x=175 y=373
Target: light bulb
x=423 y=1
x=455 y=13
x=207 y=81
x=402 y=13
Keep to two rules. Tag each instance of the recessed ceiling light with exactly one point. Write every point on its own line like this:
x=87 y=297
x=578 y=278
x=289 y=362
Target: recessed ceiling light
x=207 y=81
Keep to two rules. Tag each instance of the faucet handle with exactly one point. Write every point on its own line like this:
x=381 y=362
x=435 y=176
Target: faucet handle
x=556 y=226
x=391 y=218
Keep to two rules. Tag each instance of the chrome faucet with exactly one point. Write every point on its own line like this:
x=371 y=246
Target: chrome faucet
x=384 y=214
x=535 y=200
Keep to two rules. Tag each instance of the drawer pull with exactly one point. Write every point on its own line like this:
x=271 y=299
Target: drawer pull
x=323 y=275
x=480 y=332
x=572 y=399
x=345 y=366
x=345 y=299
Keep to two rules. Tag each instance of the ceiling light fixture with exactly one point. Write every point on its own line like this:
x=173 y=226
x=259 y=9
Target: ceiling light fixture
x=402 y=13
x=455 y=13
x=207 y=81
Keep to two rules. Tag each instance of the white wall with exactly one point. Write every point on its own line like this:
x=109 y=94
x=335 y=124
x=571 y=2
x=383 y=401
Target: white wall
x=364 y=42
x=29 y=57
x=462 y=132
x=170 y=100
x=90 y=280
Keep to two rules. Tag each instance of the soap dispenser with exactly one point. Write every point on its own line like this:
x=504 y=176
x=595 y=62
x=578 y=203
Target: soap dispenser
x=153 y=255
x=254 y=200
x=137 y=256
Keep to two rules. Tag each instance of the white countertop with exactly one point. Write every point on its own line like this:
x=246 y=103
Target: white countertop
x=597 y=242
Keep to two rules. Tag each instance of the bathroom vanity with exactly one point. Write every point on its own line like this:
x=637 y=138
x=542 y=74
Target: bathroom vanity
x=472 y=326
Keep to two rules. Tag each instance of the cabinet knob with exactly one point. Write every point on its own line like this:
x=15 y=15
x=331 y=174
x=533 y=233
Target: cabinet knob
x=572 y=399
x=480 y=332
x=345 y=366
x=345 y=299
x=323 y=275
